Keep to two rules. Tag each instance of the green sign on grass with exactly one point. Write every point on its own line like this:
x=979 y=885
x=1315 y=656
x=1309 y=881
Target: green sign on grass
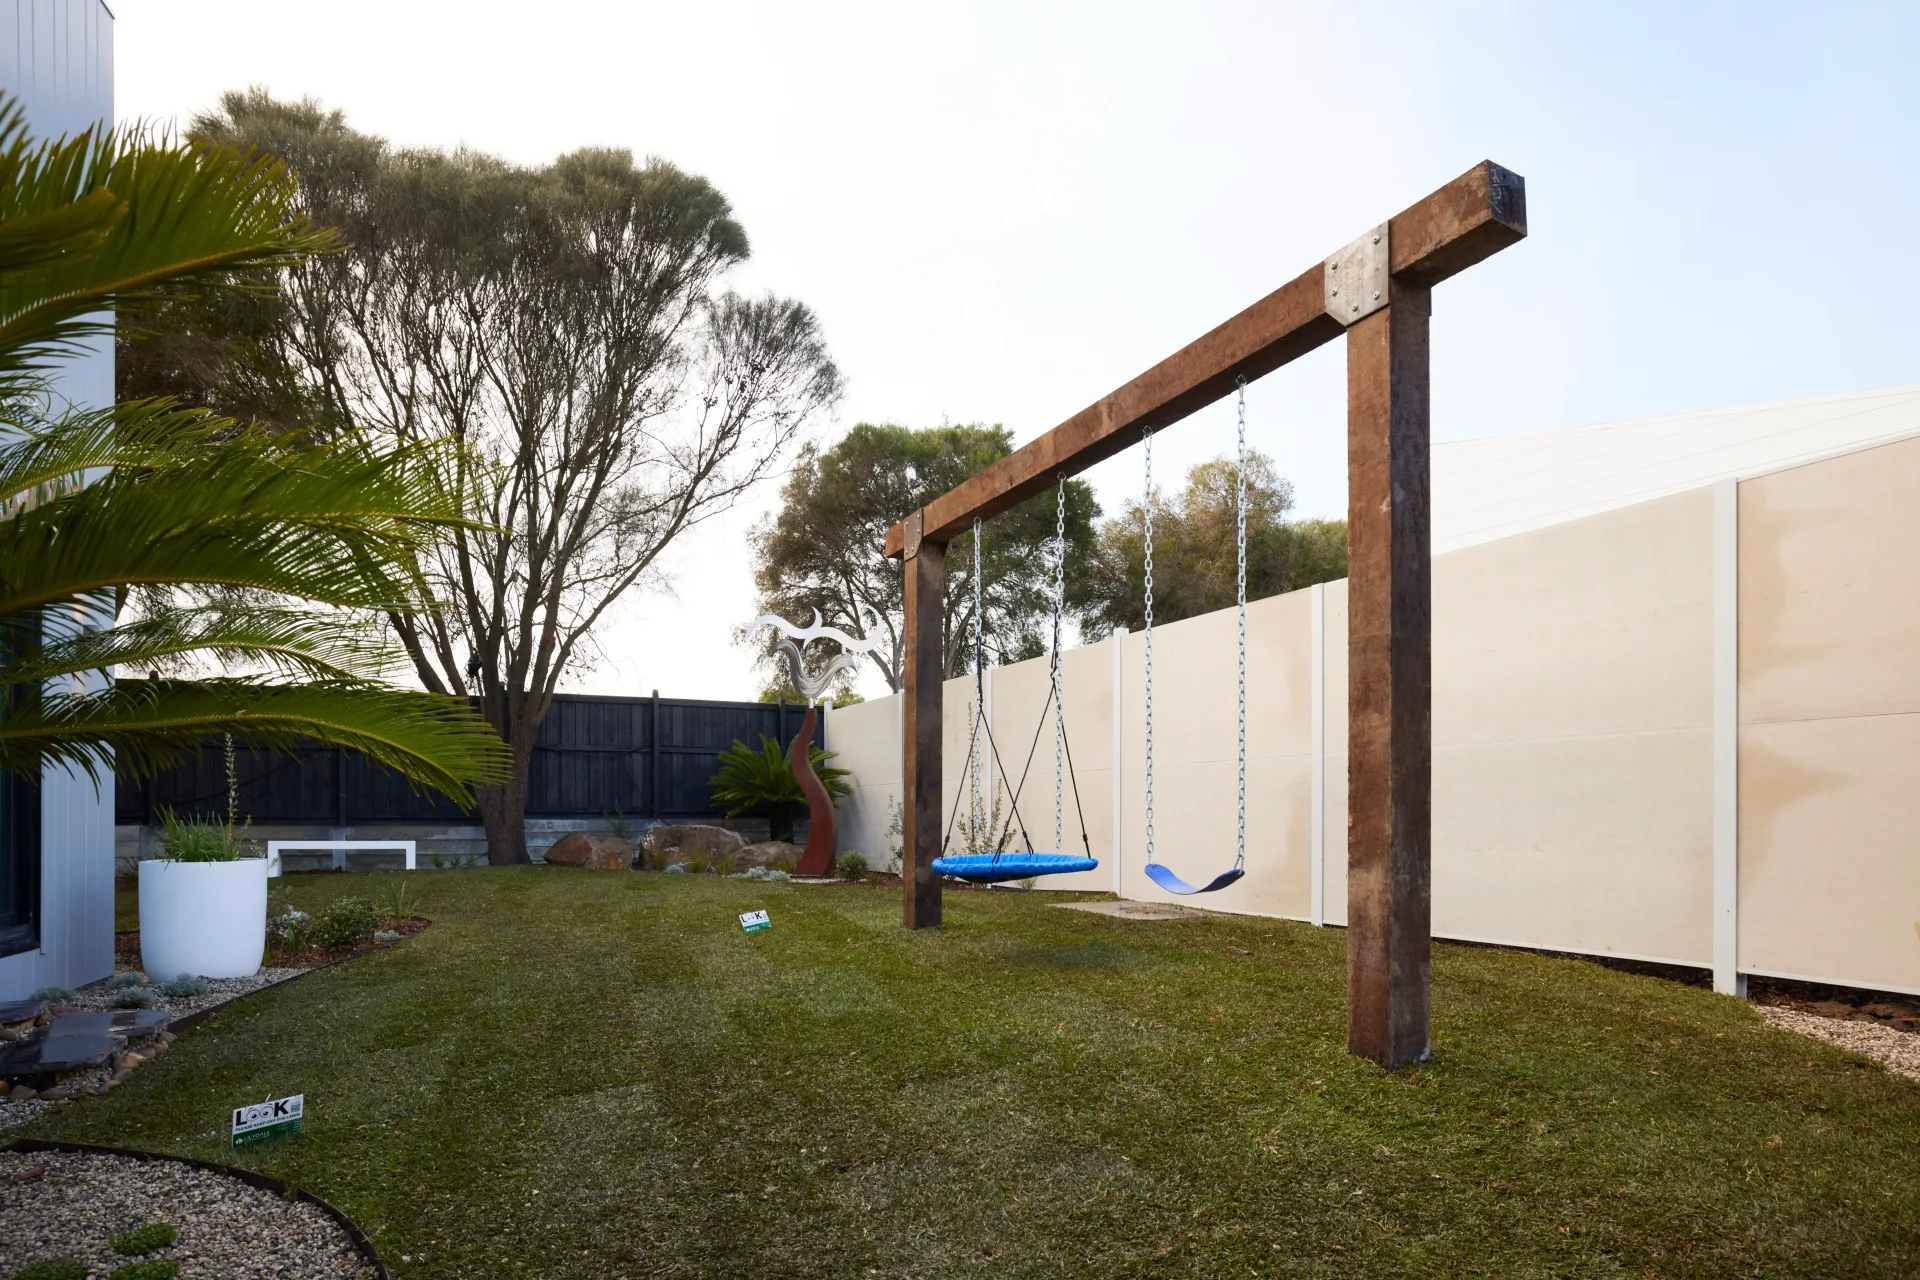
x=268 y=1119
x=754 y=921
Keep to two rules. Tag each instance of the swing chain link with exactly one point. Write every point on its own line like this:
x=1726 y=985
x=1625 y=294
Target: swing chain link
x=1240 y=538
x=1059 y=665
x=1146 y=433
x=977 y=808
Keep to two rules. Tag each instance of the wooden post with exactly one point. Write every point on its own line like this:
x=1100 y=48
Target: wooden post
x=925 y=677
x=1389 y=689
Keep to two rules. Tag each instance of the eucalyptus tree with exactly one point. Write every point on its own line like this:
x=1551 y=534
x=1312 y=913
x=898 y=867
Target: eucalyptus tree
x=1194 y=548
x=566 y=326
x=185 y=508
x=823 y=548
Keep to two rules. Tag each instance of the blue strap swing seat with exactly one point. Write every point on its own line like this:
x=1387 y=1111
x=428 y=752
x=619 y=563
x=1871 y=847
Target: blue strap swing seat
x=1156 y=871
x=1001 y=865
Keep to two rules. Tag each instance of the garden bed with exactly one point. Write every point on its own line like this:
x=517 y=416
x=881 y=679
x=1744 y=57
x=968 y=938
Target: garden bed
x=86 y=1206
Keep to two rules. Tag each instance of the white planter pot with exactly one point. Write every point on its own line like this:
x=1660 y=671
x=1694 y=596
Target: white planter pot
x=205 y=918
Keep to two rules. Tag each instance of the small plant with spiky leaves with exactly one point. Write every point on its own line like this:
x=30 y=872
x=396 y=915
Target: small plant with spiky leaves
x=750 y=779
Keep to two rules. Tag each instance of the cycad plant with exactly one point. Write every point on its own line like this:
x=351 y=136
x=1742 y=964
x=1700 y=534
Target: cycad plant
x=278 y=556
x=750 y=779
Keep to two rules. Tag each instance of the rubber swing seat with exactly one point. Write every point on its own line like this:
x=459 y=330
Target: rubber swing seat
x=1166 y=879
x=993 y=868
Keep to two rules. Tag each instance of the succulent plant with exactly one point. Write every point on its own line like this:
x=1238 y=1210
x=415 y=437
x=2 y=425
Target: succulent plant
x=151 y=1238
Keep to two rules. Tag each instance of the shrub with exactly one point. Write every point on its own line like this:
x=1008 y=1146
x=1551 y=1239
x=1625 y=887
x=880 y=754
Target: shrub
x=187 y=984
x=756 y=873
x=776 y=873
x=345 y=922
x=386 y=935
x=783 y=862
x=59 y=995
x=724 y=864
x=851 y=865
x=127 y=978
x=748 y=779
x=133 y=998
x=697 y=864
x=676 y=866
x=54 y=1269
x=151 y=1269
x=151 y=1238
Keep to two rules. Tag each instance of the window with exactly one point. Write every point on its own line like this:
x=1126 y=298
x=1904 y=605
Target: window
x=19 y=865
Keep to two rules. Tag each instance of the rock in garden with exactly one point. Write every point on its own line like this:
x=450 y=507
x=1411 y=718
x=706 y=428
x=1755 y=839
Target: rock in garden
x=595 y=853
x=768 y=853
x=678 y=843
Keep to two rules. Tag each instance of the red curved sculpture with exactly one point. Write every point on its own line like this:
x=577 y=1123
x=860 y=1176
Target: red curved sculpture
x=823 y=836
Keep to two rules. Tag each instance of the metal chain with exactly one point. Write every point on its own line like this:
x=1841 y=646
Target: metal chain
x=1059 y=665
x=1240 y=537
x=1146 y=434
x=978 y=807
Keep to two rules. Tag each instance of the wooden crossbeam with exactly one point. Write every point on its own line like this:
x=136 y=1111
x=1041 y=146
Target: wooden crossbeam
x=1389 y=640
x=1471 y=218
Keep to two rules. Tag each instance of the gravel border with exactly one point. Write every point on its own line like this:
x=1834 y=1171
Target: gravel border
x=1897 y=1051
x=101 y=996
x=79 y=1200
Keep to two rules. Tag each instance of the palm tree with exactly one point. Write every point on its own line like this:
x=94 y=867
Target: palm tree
x=270 y=554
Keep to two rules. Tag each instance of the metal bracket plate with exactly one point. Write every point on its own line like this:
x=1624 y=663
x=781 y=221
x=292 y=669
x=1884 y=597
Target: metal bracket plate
x=1357 y=277
x=916 y=524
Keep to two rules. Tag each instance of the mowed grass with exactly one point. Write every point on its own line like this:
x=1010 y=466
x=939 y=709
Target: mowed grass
x=599 y=1074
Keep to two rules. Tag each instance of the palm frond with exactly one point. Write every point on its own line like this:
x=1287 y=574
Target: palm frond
x=301 y=643
x=139 y=726
x=185 y=212
x=239 y=511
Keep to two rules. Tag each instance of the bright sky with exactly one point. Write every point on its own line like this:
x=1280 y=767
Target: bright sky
x=1004 y=211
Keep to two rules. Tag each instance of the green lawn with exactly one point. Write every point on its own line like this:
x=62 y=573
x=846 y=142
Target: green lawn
x=598 y=1075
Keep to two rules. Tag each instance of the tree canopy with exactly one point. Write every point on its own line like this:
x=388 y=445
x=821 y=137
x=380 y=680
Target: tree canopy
x=567 y=326
x=1194 y=549
x=257 y=551
x=824 y=546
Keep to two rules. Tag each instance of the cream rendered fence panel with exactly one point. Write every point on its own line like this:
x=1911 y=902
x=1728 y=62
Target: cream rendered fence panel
x=1334 y=828
x=1572 y=723
x=1195 y=709
x=866 y=740
x=1019 y=698
x=1830 y=720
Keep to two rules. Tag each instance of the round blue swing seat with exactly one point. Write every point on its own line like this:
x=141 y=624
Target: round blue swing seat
x=994 y=868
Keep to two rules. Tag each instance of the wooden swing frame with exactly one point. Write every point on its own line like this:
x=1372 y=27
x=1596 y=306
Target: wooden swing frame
x=1377 y=292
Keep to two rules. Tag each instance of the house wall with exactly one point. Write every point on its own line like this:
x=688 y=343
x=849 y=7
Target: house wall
x=56 y=60
x=1575 y=731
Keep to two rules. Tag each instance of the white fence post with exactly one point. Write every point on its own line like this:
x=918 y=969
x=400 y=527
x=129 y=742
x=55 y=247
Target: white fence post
x=1119 y=739
x=1726 y=739
x=1317 y=892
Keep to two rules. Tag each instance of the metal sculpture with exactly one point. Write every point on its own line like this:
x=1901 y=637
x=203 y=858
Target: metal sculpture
x=823 y=836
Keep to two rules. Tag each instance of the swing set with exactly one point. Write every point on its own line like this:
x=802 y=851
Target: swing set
x=998 y=866
x=1377 y=293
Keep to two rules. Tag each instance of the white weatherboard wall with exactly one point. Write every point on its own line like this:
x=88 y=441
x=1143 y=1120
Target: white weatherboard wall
x=56 y=60
x=1683 y=729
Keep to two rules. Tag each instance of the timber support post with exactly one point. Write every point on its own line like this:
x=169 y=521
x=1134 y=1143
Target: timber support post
x=1389 y=681
x=1377 y=291
x=924 y=671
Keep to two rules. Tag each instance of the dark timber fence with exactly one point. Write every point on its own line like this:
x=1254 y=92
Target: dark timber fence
x=640 y=757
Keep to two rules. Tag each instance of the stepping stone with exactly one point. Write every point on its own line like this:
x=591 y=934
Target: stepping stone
x=80 y=1040
x=22 y=1010
x=1135 y=910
